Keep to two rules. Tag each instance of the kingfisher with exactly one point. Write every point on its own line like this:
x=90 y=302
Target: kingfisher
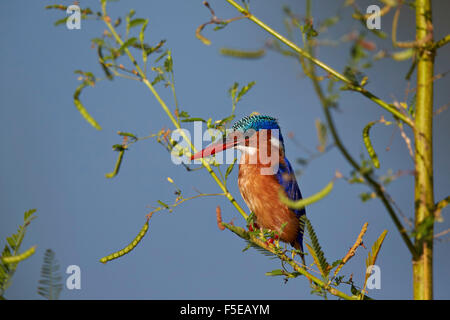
x=264 y=170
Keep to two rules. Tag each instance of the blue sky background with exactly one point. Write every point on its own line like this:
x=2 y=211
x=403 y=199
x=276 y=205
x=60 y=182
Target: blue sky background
x=54 y=161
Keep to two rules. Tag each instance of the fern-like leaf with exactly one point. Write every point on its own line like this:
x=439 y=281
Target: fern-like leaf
x=263 y=251
x=51 y=285
x=323 y=272
x=315 y=249
x=12 y=248
x=246 y=236
x=373 y=254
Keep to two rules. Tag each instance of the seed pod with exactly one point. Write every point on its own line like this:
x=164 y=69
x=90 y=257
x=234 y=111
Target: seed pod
x=368 y=144
x=20 y=257
x=128 y=248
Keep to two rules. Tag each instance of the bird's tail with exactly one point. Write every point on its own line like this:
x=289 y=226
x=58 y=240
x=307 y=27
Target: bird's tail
x=299 y=247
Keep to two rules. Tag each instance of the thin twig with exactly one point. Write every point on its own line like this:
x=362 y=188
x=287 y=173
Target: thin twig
x=351 y=84
x=408 y=44
x=352 y=251
x=442 y=233
x=294 y=264
x=119 y=40
x=378 y=189
x=441 y=109
x=442 y=42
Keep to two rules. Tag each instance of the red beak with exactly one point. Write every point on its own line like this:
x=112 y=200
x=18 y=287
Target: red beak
x=232 y=140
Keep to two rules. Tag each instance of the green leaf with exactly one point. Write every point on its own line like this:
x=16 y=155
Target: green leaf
x=149 y=51
x=84 y=113
x=141 y=39
x=260 y=250
x=90 y=78
x=323 y=268
x=329 y=22
x=102 y=63
x=321 y=135
x=193 y=120
x=184 y=114
x=221 y=25
x=11 y=249
x=315 y=249
x=157 y=79
x=127 y=43
x=61 y=21
x=163 y=204
x=117 y=166
x=277 y=272
x=27 y=215
x=161 y=56
x=141 y=33
x=244 y=90
x=51 y=279
x=225 y=120
x=128 y=20
x=131 y=13
x=56 y=6
x=98 y=41
x=209 y=125
x=117 y=22
x=230 y=168
x=168 y=63
x=127 y=134
x=118 y=147
x=12 y=241
x=232 y=91
x=373 y=254
x=309 y=30
x=137 y=22
x=335 y=263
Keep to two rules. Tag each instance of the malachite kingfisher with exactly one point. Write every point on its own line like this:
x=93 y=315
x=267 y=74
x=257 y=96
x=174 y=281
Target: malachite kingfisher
x=264 y=170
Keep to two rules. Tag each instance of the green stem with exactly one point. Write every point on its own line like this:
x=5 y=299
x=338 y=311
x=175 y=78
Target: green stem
x=424 y=197
x=243 y=234
x=353 y=86
x=442 y=42
x=169 y=114
x=367 y=175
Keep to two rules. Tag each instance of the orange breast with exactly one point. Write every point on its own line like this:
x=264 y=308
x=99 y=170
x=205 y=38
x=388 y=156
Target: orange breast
x=260 y=192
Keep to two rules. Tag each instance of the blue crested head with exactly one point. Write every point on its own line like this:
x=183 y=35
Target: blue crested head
x=258 y=122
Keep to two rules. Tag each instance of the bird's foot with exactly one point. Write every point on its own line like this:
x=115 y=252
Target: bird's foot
x=271 y=240
x=252 y=227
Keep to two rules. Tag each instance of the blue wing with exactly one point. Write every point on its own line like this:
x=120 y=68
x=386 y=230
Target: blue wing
x=286 y=178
